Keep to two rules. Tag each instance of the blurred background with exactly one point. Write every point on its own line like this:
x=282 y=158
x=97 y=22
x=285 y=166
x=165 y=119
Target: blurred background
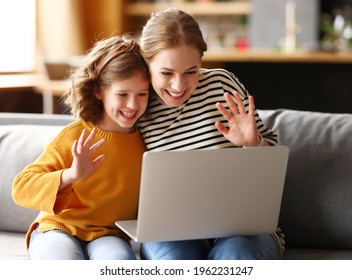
x=41 y=40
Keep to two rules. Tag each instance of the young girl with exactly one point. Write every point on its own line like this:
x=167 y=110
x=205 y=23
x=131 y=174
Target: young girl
x=88 y=176
x=186 y=113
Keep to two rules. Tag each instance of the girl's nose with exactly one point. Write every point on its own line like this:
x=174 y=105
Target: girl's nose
x=132 y=102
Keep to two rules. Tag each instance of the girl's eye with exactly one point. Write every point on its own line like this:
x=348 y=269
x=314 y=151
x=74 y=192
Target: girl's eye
x=122 y=94
x=143 y=94
x=166 y=73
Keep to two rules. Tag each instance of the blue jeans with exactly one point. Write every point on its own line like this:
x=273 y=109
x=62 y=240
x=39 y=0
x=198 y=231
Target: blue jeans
x=260 y=247
x=59 y=245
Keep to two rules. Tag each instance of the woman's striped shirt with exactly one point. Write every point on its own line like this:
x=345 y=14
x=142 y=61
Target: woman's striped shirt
x=192 y=125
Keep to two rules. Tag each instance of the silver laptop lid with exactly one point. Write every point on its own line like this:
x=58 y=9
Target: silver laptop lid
x=210 y=193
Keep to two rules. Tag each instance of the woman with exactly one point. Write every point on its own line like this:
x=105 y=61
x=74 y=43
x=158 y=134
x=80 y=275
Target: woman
x=186 y=112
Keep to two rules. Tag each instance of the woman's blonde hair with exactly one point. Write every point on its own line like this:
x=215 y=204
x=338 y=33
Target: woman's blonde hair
x=170 y=28
x=112 y=59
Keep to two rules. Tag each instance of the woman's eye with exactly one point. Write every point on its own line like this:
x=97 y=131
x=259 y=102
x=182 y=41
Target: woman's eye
x=191 y=72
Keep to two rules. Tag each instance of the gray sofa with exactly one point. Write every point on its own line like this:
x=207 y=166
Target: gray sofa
x=316 y=208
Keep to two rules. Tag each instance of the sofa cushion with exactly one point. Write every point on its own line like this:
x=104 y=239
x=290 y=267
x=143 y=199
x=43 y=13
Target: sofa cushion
x=13 y=246
x=20 y=144
x=316 y=208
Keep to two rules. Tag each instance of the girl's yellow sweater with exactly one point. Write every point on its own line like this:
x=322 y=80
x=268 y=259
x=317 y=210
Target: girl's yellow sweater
x=88 y=208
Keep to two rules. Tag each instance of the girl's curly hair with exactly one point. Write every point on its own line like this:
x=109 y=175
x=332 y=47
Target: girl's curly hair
x=112 y=59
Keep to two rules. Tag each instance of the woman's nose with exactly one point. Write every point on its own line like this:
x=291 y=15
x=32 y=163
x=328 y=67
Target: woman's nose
x=178 y=83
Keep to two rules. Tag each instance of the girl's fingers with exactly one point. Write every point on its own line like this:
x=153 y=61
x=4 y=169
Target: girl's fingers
x=85 y=144
x=80 y=141
x=90 y=138
x=74 y=148
x=99 y=160
x=97 y=145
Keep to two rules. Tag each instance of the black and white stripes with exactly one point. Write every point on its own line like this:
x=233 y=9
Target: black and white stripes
x=192 y=125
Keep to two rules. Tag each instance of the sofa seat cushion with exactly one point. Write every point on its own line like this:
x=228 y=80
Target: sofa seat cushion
x=12 y=246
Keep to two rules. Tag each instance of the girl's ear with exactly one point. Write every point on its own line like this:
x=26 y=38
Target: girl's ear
x=97 y=93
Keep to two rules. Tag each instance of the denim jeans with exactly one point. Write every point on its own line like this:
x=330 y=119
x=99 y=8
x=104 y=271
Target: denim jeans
x=260 y=247
x=59 y=245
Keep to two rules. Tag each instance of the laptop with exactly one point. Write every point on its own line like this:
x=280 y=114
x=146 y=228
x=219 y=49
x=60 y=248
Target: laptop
x=202 y=194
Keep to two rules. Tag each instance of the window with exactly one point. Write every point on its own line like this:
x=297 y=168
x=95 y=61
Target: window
x=18 y=35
